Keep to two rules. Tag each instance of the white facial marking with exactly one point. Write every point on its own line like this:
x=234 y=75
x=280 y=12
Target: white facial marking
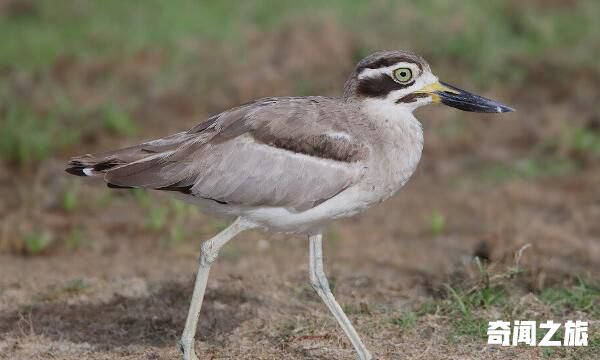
x=373 y=73
x=88 y=171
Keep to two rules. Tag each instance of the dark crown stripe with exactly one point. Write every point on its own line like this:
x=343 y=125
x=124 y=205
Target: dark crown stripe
x=388 y=61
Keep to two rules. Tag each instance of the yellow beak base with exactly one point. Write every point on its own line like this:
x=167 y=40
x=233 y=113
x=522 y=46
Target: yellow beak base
x=432 y=90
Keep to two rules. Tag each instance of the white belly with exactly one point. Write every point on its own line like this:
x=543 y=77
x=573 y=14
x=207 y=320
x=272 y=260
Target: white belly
x=347 y=203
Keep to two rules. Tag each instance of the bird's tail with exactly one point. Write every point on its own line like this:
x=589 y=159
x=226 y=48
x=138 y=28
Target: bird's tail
x=133 y=156
x=91 y=165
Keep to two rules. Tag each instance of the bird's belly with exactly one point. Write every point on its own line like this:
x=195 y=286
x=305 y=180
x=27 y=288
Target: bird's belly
x=349 y=202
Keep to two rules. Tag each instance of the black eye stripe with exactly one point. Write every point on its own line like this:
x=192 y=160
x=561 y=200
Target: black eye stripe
x=379 y=86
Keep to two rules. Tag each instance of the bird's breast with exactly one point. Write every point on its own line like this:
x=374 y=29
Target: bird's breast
x=395 y=154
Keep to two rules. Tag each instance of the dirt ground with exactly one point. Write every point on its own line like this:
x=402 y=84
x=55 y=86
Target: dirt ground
x=92 y=273
x=125 y=295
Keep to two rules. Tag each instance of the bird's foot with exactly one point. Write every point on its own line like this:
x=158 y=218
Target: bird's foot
x=187 y=350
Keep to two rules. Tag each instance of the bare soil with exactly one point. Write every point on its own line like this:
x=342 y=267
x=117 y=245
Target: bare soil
x=128 y=296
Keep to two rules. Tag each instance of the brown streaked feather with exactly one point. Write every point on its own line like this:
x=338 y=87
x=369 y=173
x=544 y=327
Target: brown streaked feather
x=320 y=146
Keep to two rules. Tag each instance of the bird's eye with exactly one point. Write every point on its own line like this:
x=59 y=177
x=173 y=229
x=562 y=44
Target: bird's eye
x=403 y=75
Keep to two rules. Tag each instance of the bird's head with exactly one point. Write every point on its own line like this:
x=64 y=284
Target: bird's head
x=405 y=81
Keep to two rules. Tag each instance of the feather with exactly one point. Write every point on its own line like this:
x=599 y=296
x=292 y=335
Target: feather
x=268 y=152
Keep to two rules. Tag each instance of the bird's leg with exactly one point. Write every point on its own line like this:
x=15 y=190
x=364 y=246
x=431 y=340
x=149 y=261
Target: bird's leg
x=319 y=282
x=210 y=251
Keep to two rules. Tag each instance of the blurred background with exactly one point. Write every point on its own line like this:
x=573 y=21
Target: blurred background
x=501 y=220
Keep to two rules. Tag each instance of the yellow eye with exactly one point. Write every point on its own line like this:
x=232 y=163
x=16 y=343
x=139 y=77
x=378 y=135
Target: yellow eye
x=403 y=75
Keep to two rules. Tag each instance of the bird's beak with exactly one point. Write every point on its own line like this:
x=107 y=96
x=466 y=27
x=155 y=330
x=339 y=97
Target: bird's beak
x=446 y=94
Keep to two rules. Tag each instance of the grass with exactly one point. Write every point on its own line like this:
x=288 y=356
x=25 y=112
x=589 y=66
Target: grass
x=36 y=243
x=437 y=223
x=573 y=151
x=584 y=140
x=96 y=27
x=528 y=168
x=166 y=217
x=463 y=307
x=118 y=121
x=28 y=137
x=470 y=308
x=406 y=320
x=584 y=296
x=481 y=41
x=75 y=238
x=69 y=198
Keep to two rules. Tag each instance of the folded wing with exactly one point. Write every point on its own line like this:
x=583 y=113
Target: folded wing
x=284 y=152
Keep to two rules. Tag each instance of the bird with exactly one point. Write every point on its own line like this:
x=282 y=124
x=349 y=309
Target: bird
x=293 y=164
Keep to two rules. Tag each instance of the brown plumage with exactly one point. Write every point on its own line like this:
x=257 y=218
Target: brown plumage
x=234 y=157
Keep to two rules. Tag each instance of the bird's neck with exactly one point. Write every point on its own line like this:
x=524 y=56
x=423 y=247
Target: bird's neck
x=400 y=137
x=394 y=121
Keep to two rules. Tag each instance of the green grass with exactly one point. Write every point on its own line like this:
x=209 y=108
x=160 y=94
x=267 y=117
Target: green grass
x=37 y=242
x=467 y=42
x=585 y=296
x=166 y=216
x=176 y=235
x=575 y=148
x=437 y=223
x=96 y=29
x=463 y=307
x=28 y=137
x=156 y=217
x=483 y=35
x=406 y=320
x=118 y=121
x=529 y=168
x=584 y=140
x=470 y=308
x=70 y=197
x=75 y=238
